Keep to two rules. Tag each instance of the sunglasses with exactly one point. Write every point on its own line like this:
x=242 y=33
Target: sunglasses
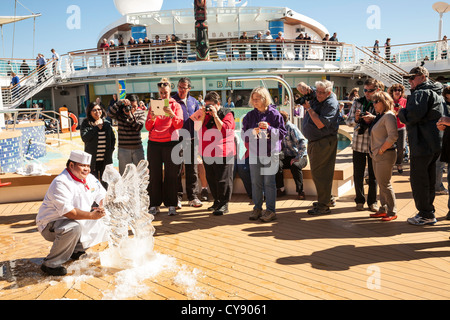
x=163 y=84
x=370 y=90
x=376 y=101
x=397 y=90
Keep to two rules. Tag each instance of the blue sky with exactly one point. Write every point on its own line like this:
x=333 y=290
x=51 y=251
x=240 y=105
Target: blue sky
x=354 y=21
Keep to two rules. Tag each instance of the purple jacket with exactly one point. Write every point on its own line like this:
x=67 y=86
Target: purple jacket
x=275 y=132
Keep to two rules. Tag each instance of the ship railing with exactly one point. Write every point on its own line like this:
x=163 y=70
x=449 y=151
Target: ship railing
x=416 y=52
x=21 y=67
x=224 y=50
x=15 y=95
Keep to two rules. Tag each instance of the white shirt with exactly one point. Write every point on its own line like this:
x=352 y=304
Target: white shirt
x=65 y=194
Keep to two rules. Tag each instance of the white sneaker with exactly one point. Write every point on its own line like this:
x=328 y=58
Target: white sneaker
x=172 y=211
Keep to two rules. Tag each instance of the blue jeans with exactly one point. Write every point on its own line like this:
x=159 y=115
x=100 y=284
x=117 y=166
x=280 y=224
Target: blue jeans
x=263 y=185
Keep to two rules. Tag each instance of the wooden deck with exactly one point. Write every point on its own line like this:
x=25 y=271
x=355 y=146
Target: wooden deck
x=345 y=255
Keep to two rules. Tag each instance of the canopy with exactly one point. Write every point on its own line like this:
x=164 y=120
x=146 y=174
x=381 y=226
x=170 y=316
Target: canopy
x=11 y=19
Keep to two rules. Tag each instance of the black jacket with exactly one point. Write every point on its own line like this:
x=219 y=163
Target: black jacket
x=424 y=108
x=89 y=135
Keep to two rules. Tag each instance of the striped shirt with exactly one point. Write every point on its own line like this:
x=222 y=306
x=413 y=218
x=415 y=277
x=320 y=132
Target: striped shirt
x=101 y=146
x=360 y=142
x=129 y=127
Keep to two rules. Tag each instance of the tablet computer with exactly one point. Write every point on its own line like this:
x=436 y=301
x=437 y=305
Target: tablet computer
x=157 y=106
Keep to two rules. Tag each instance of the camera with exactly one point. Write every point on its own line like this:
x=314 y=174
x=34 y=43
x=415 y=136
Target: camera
x=362 y=125
x=208 y=108
x=307 y=97
x=123 y=107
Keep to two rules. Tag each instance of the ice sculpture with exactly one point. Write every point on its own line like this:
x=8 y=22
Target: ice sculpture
x=127 y=203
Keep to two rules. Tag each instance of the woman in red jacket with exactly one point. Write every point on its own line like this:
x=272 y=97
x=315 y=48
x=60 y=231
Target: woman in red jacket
x=217 y=149
x=162 y=138
x=397 y=92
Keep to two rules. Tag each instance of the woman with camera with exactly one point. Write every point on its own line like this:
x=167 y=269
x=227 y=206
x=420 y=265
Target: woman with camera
x=383 y=138
x=99 y=139
x=217 y=149
x=263 y=130
x=397 y=92
x=163 y=135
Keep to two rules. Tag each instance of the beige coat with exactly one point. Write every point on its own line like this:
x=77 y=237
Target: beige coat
x=384 y=130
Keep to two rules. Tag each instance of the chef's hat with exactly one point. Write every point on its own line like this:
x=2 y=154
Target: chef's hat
x=80 y=157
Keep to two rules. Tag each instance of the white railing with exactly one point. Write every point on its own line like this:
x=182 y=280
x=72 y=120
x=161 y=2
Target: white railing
x=21 y=67
x=14 y=96
x=227 y=50
x=415 y=52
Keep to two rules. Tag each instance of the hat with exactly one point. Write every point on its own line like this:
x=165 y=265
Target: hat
x=418 y=71
x=80 y=157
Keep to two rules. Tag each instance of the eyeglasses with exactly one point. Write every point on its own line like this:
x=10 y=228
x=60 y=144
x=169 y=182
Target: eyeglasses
x=96 y=110
x=370 y=90
x=163 y=84
x=184 y=88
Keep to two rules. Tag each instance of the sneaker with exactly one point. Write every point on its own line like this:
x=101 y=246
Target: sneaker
x=379 y=214
x=221 y=210
x=154 y=210
x=373 y=207
x=360 y=206
x=418 y=220
x=442 y=192
x=268 y=216
x=179 y=205
x=215 y=206
x=58 y=271
x=301 y=196
x=256 y=214
x=331 y=204
x=204 y=194
x=172 y=211
x=388 y=218
x=195 y=203
x=317 y=212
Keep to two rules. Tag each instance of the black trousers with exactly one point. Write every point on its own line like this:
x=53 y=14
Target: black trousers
x=190 y=170
x=360 y=160
x=423 y=181
x=296 y=170
x=161 y=187
x=219 y=174
x=98 y=172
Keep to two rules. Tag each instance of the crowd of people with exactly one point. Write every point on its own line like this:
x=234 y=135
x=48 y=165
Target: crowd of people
x=190 y=135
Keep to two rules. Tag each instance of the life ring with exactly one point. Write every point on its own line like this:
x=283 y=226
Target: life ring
x=74 y=121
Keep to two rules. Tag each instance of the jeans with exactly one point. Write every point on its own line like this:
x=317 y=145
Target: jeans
x=263 y=183
x=127 y=156
x=296 y=170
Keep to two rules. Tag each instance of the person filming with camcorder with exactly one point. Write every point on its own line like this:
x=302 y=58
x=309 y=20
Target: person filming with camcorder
x=130 y=122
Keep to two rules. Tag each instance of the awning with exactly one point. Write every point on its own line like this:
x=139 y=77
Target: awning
x=11 y=19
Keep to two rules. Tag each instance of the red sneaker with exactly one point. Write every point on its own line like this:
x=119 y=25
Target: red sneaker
x=389 y=218
x=378 y=215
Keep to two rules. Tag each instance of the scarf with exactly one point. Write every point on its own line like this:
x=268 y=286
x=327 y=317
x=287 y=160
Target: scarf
x=78 y=180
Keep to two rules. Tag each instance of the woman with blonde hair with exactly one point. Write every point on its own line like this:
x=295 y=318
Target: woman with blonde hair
x=383 y=136
x=263 y=130
x=397 y=92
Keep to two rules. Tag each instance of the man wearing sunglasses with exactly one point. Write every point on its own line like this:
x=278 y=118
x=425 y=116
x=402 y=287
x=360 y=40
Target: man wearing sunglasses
x=189 y=105
x=424 y=108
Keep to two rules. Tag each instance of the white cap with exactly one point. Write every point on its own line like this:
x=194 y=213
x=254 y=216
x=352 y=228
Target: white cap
x=80 y=157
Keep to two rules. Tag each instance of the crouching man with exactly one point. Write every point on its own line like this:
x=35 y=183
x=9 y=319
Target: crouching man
x=68 y=216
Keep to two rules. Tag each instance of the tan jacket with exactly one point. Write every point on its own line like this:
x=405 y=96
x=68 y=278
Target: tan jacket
x=384 y=130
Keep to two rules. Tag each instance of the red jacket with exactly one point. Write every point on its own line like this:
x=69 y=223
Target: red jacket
x=402 y=104
x=162 y=128
x=222 y=144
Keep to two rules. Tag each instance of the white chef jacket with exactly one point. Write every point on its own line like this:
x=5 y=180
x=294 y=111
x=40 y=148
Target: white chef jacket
x=65 y=194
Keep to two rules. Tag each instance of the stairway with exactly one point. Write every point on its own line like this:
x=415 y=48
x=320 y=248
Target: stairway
x=381 y=69
x=14 y=96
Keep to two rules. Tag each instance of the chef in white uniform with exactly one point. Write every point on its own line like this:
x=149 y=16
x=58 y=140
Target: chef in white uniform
x=67 y=217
